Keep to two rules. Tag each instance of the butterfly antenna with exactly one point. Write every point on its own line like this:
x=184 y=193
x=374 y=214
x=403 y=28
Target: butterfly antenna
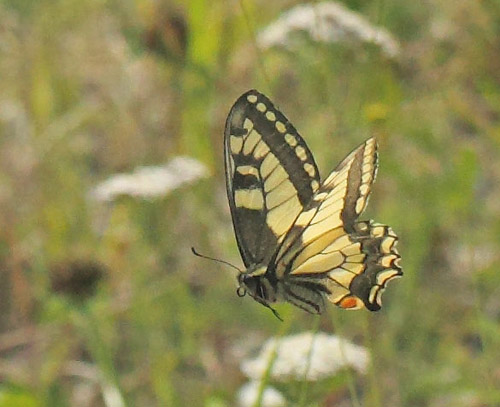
x=214 y=259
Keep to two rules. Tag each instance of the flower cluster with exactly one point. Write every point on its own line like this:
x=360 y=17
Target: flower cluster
x=305 y=356
x=151 y=182
x=326 y=22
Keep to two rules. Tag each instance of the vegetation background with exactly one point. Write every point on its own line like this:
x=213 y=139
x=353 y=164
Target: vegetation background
x=103 y=304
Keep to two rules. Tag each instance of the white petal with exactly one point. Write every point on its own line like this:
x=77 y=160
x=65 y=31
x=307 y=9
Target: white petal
x=326 y=22
x=151 y=182
x=248 y=393
x=319 y=355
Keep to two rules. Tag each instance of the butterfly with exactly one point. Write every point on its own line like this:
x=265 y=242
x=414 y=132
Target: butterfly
x=298 y=236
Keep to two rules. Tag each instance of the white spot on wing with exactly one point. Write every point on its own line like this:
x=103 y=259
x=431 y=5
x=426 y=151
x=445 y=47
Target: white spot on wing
x=280 y=127
x=270 y=116
x=261 y=107
x=363 y=189
x=301 y=153
x=290 y=139
x=309 y=168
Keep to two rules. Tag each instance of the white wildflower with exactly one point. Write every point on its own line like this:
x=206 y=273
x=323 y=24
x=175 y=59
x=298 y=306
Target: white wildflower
x=151 y=182
x=248 y=393
x=319 y=355
x=326 y=22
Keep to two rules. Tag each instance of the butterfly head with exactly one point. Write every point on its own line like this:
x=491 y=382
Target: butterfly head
x=255 y=283
x=249 y=284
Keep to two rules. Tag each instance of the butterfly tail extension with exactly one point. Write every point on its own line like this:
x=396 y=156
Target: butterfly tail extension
x=378 y=243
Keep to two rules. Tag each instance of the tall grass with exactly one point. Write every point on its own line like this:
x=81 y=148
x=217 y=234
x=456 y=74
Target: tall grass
x=93 y=88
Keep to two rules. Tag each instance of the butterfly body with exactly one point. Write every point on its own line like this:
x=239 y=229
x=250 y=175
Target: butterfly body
x=299 y=238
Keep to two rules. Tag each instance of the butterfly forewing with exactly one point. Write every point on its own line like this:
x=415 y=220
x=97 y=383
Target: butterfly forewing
x=358 y=170
x=270 y=175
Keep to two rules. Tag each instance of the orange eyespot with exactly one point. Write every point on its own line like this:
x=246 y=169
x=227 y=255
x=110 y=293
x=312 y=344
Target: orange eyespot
x=350 y=303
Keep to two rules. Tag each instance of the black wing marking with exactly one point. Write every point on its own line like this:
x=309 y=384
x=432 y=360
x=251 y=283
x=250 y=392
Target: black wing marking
x=270 y=175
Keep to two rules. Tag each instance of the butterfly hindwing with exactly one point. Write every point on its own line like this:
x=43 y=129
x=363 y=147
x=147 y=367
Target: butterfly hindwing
x=270 y=175
x=351 y=262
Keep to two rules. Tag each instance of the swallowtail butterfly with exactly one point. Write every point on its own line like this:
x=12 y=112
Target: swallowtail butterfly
x=298 y=236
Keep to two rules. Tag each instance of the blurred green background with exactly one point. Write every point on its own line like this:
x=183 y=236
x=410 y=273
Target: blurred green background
x=103 y=304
